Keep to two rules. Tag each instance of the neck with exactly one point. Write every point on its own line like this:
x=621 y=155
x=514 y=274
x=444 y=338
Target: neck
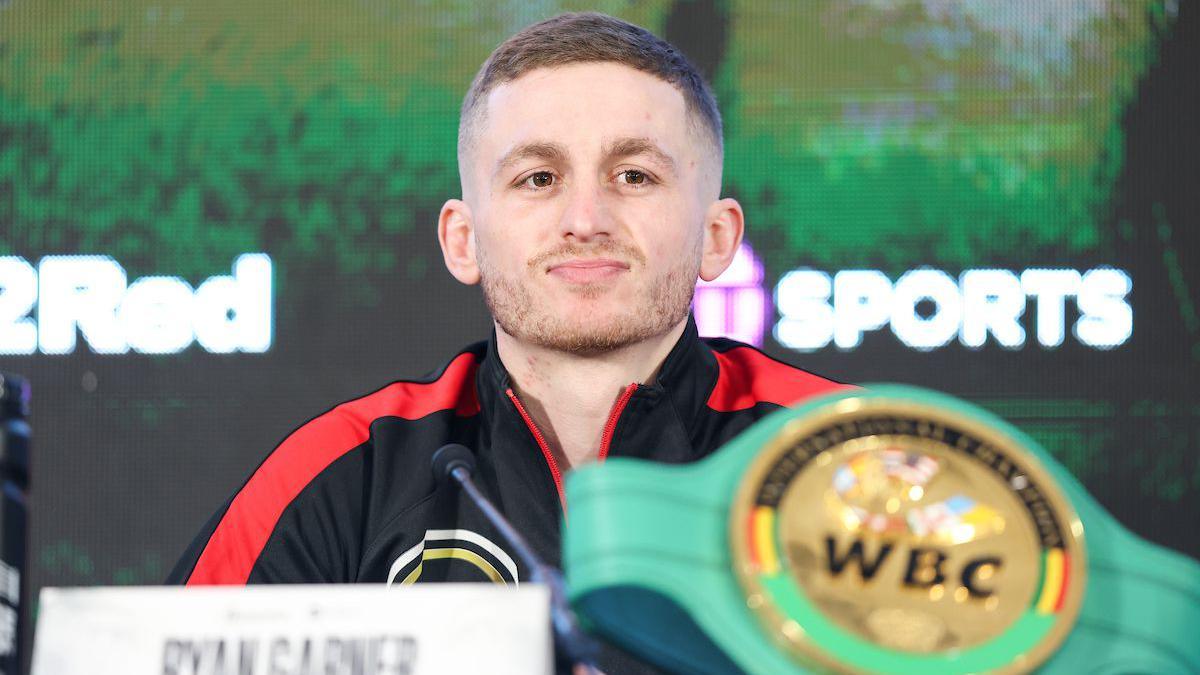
x=570 y=396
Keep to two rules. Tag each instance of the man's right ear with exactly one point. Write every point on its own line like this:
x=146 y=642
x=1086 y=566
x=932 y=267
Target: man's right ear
x=456 y=234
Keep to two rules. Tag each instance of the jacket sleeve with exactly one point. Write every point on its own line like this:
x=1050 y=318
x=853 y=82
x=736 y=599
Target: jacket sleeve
x=297 y=519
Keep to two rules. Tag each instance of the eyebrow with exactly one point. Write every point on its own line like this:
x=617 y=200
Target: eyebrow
x=550 y=151
x=543 y=150
x=630 y=146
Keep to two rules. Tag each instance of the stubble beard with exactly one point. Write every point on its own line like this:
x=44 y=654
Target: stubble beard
x=657 y=308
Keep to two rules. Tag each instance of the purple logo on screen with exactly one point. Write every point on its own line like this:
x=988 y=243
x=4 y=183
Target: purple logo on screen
x=734 y=305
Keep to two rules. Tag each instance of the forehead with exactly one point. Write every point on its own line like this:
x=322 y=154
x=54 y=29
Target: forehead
x=580 y=106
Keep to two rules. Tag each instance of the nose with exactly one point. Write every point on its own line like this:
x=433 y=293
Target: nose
x=585 y=215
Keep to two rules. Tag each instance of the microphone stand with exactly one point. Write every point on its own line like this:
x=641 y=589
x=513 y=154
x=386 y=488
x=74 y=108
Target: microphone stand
x=456 y=463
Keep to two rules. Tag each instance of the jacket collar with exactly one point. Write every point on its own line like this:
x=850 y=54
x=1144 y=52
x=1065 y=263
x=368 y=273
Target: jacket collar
x=686 y=379
x=687 y=376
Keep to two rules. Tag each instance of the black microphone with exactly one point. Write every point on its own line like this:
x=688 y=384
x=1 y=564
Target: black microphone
x=451 y=457
x=454 y=464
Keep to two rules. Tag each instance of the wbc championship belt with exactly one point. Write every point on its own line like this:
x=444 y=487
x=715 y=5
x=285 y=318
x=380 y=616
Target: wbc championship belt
x=884 y=530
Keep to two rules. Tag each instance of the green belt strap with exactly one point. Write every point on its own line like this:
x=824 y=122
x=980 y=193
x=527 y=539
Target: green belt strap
x=649 y=565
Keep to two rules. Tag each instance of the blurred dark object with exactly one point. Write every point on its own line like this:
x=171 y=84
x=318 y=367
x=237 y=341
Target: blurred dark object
x=14 y=516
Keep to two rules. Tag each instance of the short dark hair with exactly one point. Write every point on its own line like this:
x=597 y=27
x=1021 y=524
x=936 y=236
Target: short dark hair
x=586 y=37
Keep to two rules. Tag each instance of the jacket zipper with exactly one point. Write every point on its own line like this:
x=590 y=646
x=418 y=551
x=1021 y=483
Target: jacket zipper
x=545 y=448
x=613 y=416
x=605 y=440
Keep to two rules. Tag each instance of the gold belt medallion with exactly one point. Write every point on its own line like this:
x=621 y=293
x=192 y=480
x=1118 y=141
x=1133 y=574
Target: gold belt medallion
x=885 y=535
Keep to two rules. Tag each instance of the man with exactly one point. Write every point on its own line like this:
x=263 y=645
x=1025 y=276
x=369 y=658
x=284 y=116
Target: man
x=590 y=155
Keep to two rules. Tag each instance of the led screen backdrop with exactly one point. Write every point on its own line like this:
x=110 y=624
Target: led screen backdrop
x=217 y=220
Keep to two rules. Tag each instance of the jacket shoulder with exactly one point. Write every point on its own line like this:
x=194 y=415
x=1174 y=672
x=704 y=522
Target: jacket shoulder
x=747 y=377
x=232 y=543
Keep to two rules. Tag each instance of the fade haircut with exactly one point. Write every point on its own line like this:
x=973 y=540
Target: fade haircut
x=588 y=37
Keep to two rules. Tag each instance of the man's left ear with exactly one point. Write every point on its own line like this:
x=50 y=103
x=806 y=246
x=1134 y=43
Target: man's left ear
x=724 y=225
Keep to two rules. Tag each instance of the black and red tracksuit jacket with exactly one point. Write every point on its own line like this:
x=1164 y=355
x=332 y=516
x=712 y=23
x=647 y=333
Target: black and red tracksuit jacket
x=350 y=495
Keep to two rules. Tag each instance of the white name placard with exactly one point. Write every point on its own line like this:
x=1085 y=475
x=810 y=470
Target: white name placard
x=294 y=630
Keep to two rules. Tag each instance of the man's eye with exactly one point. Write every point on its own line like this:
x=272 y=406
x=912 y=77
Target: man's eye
x=633 y=177
x=541 y=179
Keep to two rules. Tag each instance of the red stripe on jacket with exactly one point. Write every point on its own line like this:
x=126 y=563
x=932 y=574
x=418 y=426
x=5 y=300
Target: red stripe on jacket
x=239 y=539
x=748 y=377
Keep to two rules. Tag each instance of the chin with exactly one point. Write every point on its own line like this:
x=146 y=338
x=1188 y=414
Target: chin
x=593 y=312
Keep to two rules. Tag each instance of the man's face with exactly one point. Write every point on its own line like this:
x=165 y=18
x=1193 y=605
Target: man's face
x=588 y=189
